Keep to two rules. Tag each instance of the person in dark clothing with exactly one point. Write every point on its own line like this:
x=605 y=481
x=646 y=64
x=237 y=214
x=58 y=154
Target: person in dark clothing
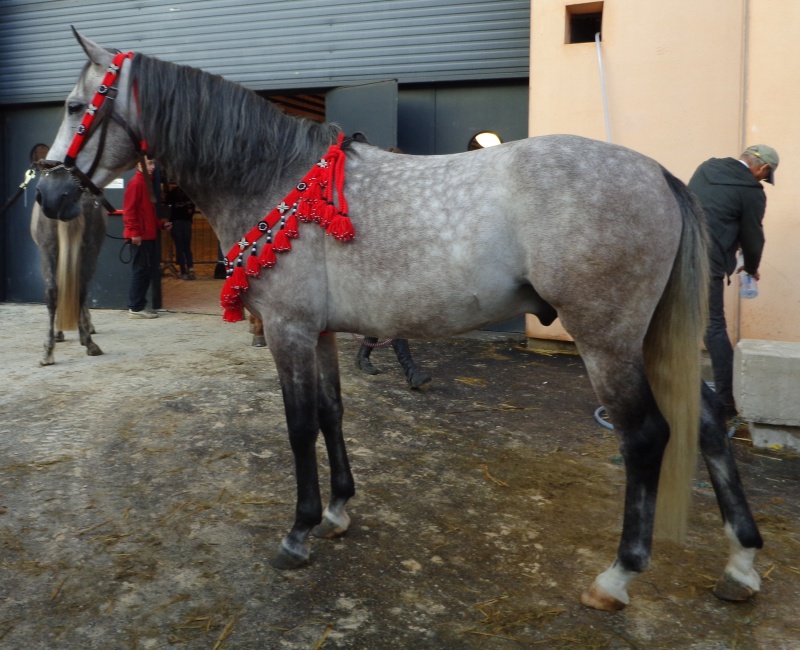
x=142 y=227
x=734 y=202
x=415 y=376
x=181 y=211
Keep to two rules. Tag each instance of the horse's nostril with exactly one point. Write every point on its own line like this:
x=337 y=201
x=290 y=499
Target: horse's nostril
x=39 y=196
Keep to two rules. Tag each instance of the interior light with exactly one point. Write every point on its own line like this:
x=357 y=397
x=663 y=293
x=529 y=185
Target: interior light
x=483 y=140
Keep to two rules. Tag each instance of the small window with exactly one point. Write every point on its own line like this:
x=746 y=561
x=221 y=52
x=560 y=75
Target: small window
x=584 y=21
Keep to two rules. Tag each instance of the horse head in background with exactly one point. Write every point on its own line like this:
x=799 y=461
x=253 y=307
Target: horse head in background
x=69 y=252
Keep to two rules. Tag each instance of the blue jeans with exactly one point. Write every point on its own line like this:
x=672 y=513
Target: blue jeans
x=144 y=265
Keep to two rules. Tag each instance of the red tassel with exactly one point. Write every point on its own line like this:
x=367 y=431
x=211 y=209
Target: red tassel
x=238 y=279
x=341 y=228
x=291 y=226
x=327 y=212
x=233 y=314
x=303 y=211
x=267 y=259
x=314 y=210
x=253 y=269
x=282 y=243
x=229 y=296
x=314 y=191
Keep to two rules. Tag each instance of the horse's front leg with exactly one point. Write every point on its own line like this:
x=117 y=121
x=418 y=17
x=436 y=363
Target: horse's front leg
x=739 y=581
x=296 y=364
x=85 y=331
x=643 y=434
x=335 y=520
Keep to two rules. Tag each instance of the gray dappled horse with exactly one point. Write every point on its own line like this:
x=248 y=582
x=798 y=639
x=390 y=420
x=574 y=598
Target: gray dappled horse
x=69 y=252
x=596 y=234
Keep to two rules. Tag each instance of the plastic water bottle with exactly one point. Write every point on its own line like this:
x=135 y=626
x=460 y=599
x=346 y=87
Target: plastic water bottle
x=748 y=286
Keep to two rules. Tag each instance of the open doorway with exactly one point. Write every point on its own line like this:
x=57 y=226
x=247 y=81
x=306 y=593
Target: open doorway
x=198 y=292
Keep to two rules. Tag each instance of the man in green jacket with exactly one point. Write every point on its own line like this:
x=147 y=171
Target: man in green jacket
x=734 y=202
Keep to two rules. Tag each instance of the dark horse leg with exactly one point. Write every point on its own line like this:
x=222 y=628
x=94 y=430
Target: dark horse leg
x=50 y=299
x=335 y=520
x=312 y=400
x=93 y=236
x=86 y=329
x=740 y=581
x=642 y=433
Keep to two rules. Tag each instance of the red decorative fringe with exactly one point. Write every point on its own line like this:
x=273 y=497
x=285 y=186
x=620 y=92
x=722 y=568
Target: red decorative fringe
x=267 y=258
x=233 y=314
x=282 y=243
x=321 y=201
x=303 y=212
x=341 y=228
x=316 y=189
x=327 y=212
x=238 y=279
x=253 y=269
x=291 y=226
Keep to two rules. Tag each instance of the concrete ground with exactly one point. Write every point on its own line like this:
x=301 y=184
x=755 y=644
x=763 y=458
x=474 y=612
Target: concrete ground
x=141 y=492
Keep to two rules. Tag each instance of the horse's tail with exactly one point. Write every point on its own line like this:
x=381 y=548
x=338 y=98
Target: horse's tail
x=672 y=358
x=70 y=240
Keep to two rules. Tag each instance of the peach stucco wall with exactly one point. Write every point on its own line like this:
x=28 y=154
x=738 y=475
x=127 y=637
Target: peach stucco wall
x=687 y=81
x=772 y=115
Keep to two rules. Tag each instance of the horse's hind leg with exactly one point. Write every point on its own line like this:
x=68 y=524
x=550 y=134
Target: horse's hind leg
x=642 y=433
x=335 y=520
x=740 y=581
x=85 y=331
x=50 y=298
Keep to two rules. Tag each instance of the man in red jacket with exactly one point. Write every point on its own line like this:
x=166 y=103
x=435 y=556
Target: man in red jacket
x=142 y=227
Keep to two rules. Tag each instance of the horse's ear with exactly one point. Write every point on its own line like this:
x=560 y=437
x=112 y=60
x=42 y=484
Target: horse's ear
x=97 y=54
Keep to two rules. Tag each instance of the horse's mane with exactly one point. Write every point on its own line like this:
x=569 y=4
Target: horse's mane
x=204 y=128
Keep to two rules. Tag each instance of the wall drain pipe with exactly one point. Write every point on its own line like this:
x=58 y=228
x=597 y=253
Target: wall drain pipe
x=603 y=85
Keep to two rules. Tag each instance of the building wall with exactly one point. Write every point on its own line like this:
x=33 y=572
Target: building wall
x=687 y=81
x=772 y=85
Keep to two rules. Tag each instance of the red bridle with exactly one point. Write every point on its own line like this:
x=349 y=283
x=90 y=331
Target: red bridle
x=106 y=90
x=106 y=86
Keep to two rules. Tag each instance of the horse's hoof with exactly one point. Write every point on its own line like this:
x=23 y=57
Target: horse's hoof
x=93 y=350
x=47 y=361
x=729 y=588
x=598 y=598
x=285 y=559
x=330 y=529
x=259 y=342
x=59 y=337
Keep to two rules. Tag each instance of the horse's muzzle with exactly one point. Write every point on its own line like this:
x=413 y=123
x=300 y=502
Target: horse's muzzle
x=59 y=196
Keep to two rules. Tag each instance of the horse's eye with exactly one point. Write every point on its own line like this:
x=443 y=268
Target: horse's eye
x=74 y=107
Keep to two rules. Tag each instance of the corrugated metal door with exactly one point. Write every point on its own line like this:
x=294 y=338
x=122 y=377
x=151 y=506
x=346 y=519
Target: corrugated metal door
x=268 y=45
